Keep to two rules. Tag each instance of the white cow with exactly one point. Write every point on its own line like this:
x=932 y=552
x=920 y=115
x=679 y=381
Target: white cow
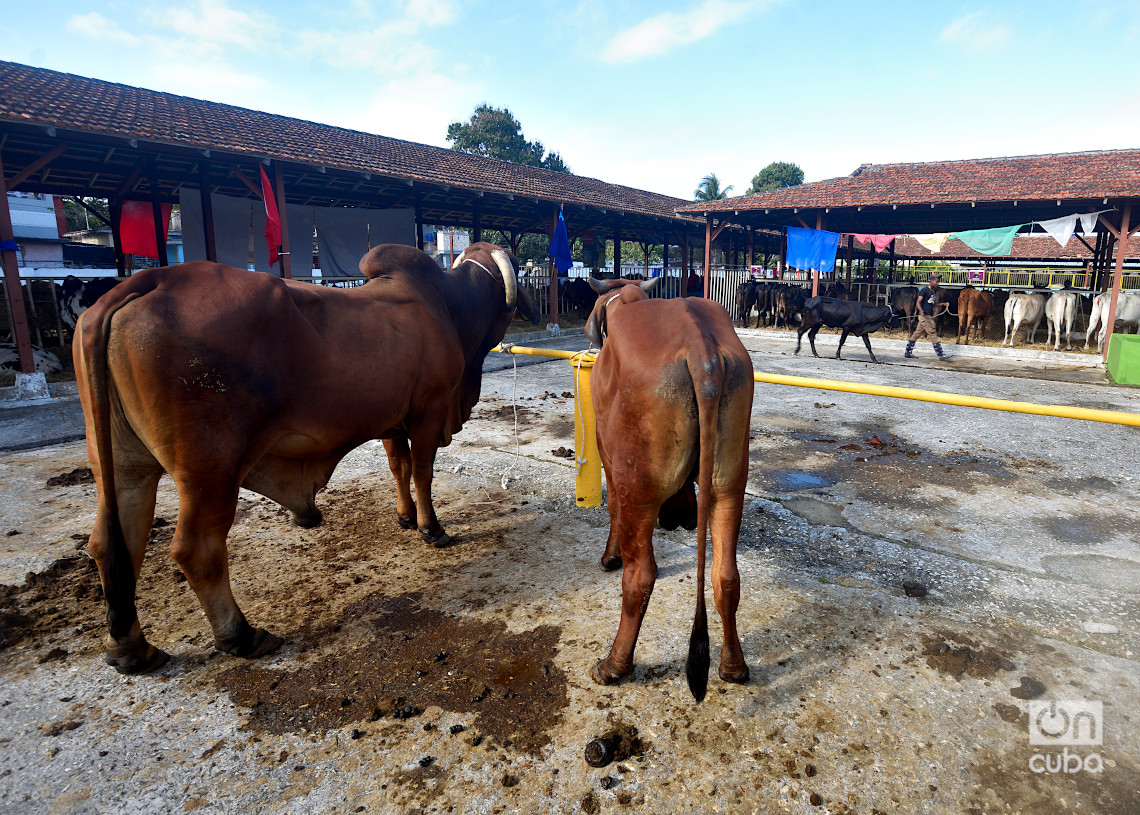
x=1023 y=308
x=46 y=362
x=1060 y=310
x=1127 y=315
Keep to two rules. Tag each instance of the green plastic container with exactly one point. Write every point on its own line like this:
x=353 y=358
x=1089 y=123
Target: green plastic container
x=1124 y=359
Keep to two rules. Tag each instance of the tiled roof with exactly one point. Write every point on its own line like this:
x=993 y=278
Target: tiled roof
x=1066 y=176
x=37 y=96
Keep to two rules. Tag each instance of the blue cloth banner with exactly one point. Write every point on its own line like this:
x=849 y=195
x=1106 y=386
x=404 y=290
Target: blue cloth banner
x=560 y=247
x=812 y=249
x=9 y=246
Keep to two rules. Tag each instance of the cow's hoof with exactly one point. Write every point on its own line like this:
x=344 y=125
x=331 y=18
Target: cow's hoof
x=611 y=563
x=257 y=642
x=603 y=674
x=440 y=541
x=151 y=660
x=739 y=676
x=308 y=519
x=406 y=521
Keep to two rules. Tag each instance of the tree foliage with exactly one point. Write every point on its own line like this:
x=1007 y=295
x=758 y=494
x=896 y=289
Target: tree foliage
x=710 y=190
x=78 y=218
x=496 y=133
x=775 y=176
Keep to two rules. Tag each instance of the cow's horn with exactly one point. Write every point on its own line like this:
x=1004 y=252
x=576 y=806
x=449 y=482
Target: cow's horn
x=510 y=282
x=599 y=286
x=462 y=257
x=649 y=285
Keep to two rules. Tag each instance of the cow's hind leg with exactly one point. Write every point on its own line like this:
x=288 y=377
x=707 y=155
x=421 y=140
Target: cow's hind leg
x=724 y=526
x=400 y=463
x=423 y=459
x=811 y=338
x=634 y=530
x=867 y=342
x=205 y=514
x=120 y=561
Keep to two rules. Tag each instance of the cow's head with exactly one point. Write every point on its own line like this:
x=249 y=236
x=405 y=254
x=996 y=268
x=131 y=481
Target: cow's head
x=488 y=256
x=612 y=293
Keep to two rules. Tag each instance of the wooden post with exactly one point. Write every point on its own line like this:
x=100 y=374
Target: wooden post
x=708 y=250
x=285 y=253
x=156 y=211
x=751 y=250
x=477 y=225
x=815 y=272
x=892 y=264
x=850 y=251
x=664 y=267
x=207 y=211
x=686 y=264
x=1117 y=277
x=12 y=284
x=553 y=271
x=617 y=249
x=116 y=206
x=419 y=224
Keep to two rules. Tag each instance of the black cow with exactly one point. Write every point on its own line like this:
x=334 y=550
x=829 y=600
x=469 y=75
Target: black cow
x=853 y=316
x=578 y=295
x=904 y=303
x=76 y=296
x=746 y=295
x=789 y=300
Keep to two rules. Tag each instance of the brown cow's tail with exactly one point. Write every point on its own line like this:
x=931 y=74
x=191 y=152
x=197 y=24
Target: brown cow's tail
x=119 y=572
x=708 y=383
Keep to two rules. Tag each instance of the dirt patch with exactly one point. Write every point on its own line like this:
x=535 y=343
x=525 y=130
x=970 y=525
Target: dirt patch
x=966 y=658
x=65 y=595
x=415 y=657
x=80 y=475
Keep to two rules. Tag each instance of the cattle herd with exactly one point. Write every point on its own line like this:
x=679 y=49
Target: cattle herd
x=967 y=309
x=224 y=379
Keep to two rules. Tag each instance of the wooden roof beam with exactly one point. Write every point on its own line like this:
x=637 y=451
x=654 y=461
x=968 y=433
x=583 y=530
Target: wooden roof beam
x=36 y=165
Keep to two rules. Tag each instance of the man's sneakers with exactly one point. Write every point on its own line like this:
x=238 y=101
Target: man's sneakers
x=941 y=354
x=909 y=349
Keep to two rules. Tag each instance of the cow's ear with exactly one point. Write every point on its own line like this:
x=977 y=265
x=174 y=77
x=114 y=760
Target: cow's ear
x=596 y=325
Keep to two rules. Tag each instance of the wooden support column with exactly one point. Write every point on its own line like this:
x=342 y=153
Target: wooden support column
x=477 y=223
x=686 y=264
x=1121 y=236
x=553 y=270
x=664 y=265
x=20 y=330
x=115 y=205
x=850 y=251
x=156 y=211
x=751 y=250
x=815 y=272
x=892 y=263
x=207 y=211
x=617 y=249
x=708 y=250
x=286 y=253
x=419 y=224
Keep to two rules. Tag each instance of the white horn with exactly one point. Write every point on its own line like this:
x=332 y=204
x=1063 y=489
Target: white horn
x=510 y=282
x=462 y=257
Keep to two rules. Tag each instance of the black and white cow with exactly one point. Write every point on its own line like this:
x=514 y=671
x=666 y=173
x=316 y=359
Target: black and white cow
x=46 y=361
x=76 y=296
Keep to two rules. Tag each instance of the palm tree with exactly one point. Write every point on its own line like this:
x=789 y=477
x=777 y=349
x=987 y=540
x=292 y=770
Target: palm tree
x=709 y=189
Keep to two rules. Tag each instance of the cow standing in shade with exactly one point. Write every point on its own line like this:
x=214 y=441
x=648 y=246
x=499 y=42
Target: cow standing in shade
x=672 y=390
x=1060 y=309
x=974 y=309
x=225 y=378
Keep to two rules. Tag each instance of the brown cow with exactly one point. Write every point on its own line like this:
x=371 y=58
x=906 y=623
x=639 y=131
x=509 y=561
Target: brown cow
x=225 y=378
x=974 y=309
x=672 y=390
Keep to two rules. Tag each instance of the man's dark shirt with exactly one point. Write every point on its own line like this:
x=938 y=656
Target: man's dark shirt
x=926 y=300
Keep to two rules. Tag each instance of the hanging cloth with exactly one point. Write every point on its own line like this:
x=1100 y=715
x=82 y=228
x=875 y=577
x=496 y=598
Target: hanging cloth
x=932 y=241
x=997 y=241
x=1060 y=228
x=812 y=249
x=880 y=242
x=272 y=217
x=1088 y=220
x=136 y=228
x=560 y=247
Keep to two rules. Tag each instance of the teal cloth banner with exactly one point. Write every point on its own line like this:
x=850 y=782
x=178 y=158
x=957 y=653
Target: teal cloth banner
x=998 y=241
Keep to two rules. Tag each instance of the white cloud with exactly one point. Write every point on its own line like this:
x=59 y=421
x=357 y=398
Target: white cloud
x=212 y=25
x=978 y=31
x=416 y=108
x=97 y=27
x=666 y=31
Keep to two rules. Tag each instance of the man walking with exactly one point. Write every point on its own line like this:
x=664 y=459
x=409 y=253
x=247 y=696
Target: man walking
x=925 y=328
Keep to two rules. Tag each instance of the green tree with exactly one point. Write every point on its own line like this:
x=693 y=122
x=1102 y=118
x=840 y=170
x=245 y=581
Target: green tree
x=80 y=218
x=710 y=190
x=775 y=176
x=496 y=133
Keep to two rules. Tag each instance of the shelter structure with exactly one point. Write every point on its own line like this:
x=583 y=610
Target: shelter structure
x=75 y=136
x=954 y=196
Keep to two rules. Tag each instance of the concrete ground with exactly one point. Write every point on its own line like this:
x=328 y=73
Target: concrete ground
x=917 y=580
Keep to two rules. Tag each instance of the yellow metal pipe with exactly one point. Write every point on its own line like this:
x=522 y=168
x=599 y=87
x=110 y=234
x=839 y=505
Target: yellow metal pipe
x=587 y=460
x=1060 y=411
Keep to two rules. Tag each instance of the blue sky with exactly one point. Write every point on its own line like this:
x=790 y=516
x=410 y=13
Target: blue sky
x=649 y=94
